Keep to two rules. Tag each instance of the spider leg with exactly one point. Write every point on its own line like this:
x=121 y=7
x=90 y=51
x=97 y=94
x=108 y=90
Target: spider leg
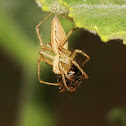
x=63 y=77
x=48 y=62
x=49 y=45
x=65 y=51
x=68 y=35
x=81 y=52
x=46 y=54
x=39 y=36
x=77 y=65
x=66 y=66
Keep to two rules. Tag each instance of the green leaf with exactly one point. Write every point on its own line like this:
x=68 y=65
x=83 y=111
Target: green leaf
x=16 y=46
x=117 y=116
x=106 y=18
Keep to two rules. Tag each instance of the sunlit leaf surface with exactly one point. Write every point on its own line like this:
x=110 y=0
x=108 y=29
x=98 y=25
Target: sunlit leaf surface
x=107 y=18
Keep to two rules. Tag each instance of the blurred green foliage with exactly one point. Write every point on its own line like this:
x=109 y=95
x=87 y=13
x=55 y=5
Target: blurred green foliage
x=117 y=116
x=19 y=41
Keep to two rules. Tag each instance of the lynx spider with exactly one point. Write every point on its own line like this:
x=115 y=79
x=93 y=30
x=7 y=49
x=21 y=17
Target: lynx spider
x=63 y=58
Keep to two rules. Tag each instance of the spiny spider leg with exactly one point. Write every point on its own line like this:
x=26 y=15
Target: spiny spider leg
x=68 y=35
x=39 y=36
x=48 y=62
x=62 y=74
x=81 y=52
x=77 y=65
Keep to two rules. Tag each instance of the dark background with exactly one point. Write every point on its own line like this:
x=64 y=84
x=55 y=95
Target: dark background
x=99 y=101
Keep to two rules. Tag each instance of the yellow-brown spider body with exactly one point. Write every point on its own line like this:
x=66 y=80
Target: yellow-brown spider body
x=64 y=58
